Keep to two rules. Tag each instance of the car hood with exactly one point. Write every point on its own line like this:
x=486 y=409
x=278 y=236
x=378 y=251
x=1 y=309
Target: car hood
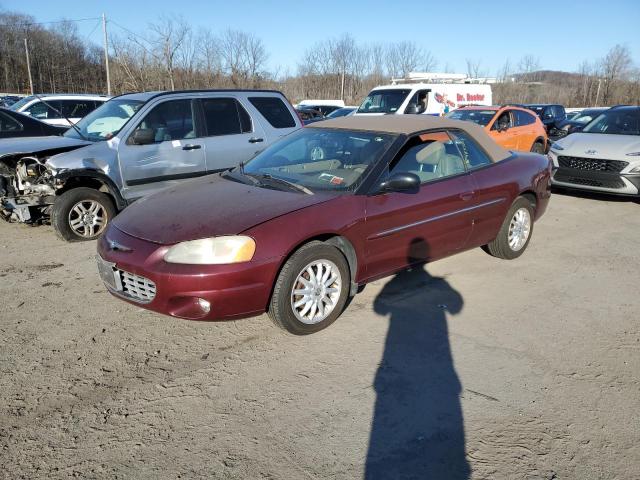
x=10 y=146
x=599 y=145
x=207 y=207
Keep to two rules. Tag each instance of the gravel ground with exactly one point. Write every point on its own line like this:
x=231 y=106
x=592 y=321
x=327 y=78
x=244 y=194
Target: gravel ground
x=470 y=368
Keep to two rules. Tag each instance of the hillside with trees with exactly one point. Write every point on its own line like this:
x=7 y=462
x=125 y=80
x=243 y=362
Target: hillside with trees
x=170 y=54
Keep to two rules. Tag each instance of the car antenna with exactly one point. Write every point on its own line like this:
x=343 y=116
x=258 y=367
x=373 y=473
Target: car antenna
x=73 y=125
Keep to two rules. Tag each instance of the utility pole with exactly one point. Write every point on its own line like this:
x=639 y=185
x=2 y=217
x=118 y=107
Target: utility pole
x=598 y=92
x=106 y=52
x=26 y=51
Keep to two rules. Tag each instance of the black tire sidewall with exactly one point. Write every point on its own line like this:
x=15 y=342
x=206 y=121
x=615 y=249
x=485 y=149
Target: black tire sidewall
x=65 y=202
x=508 y=253
x=540 y=145
x=280 y=308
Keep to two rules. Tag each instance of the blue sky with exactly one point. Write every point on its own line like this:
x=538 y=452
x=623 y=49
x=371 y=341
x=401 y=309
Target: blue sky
x=562 y=33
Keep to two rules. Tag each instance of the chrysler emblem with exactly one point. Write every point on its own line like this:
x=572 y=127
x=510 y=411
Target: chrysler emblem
x=113 y=245
x=590 y=152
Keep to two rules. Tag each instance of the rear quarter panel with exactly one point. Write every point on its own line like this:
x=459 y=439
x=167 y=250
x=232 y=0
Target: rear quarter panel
x=507 y=179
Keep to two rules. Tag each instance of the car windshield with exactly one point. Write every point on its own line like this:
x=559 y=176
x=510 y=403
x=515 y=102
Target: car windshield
x=20 y=103
x=481 y=117
x=341 y=112
x=384 y=101
x=585 y=117
x=616 y=122
x=314 y=159
x=105 y=121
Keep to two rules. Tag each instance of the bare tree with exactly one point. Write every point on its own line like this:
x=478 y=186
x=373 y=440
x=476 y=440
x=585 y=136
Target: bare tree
x=169 y=35
x=403 y=58
x=615 y=66
x=528 y=65
x=474 y=68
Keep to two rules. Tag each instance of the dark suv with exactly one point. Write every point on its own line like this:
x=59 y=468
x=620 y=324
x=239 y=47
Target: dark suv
x=552 y=116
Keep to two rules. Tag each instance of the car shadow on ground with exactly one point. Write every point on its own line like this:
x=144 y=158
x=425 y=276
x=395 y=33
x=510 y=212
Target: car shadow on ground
x=417 y=429
x=592 y=195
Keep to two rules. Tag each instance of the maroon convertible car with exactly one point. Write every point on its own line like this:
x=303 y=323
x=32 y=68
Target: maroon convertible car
x=298 y=229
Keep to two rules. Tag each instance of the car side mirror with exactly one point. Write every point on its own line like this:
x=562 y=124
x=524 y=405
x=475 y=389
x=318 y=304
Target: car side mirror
x=143 y=136
x=411 y=109
x=401 y=182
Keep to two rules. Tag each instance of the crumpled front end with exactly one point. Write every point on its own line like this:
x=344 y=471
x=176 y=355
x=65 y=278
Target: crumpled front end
x=27 y=188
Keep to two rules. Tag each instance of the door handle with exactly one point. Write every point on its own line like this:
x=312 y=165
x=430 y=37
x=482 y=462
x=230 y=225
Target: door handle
x=192 y=147
x=256 y=140
x=466 y=196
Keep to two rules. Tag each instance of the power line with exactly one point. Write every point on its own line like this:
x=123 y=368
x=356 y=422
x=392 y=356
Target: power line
x=28 y=24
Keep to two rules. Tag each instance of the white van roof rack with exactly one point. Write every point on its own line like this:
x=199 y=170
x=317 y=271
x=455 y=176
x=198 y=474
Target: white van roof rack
x=430 y=77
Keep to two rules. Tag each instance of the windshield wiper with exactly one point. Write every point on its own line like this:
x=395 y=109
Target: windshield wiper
x=237 y=176
x=73 y=125
x=288 y=183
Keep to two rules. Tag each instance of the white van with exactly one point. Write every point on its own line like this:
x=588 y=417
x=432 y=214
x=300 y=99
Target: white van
x=424 y=98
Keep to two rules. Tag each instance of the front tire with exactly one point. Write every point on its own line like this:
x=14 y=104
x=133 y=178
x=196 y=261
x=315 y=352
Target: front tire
x=81 y=214
x=515 y=232
x=311 y=290
x=538 y=147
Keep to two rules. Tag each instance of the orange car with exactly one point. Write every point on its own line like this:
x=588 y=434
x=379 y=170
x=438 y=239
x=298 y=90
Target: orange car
x=512 y=127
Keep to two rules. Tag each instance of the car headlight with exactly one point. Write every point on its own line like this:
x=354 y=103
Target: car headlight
x=212 y=251
x=555 y=146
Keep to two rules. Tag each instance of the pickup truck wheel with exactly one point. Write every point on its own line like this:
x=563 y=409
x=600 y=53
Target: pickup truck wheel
x=538 y=147
x=81 y=214
x=515 y=233
x=311 y=290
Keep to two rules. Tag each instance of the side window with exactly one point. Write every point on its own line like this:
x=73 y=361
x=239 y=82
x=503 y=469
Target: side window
x=559 y=112
x=548 y=113
x=43 y=112
x=8 y=124
x=172 y=120
x=274 y=111
x=225 y=116
x=472 y=154
x=430 y=156
x=503 y=121
x=523 y=118
x=418 y=103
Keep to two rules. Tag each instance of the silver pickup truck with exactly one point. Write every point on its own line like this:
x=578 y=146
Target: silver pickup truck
x=130 y=147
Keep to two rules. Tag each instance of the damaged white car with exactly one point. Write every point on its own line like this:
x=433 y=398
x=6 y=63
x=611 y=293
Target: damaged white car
x=132 y=146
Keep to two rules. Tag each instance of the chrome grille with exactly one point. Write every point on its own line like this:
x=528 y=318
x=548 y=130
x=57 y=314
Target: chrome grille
x=137 y=287
x=592 y=164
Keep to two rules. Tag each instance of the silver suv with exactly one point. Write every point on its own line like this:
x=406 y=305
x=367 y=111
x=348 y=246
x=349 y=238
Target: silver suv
x=132 y=146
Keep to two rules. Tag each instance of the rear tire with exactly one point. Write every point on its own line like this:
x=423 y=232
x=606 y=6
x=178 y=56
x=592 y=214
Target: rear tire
x=311 y=290
x=538 y=147
x=515 y=232
x=81 y=214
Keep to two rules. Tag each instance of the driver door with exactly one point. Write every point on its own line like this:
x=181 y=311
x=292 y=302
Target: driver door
x=177 y=151
x=402 y=228
x=503 y=131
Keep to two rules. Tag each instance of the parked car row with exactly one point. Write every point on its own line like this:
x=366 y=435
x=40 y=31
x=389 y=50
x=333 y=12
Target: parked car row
x=359 y=197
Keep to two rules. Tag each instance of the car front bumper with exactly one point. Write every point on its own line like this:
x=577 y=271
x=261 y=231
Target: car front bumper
x=144 y=279
x=615 y=183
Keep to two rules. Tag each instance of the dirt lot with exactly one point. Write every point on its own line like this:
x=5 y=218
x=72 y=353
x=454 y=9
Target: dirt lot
x=471 y=368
